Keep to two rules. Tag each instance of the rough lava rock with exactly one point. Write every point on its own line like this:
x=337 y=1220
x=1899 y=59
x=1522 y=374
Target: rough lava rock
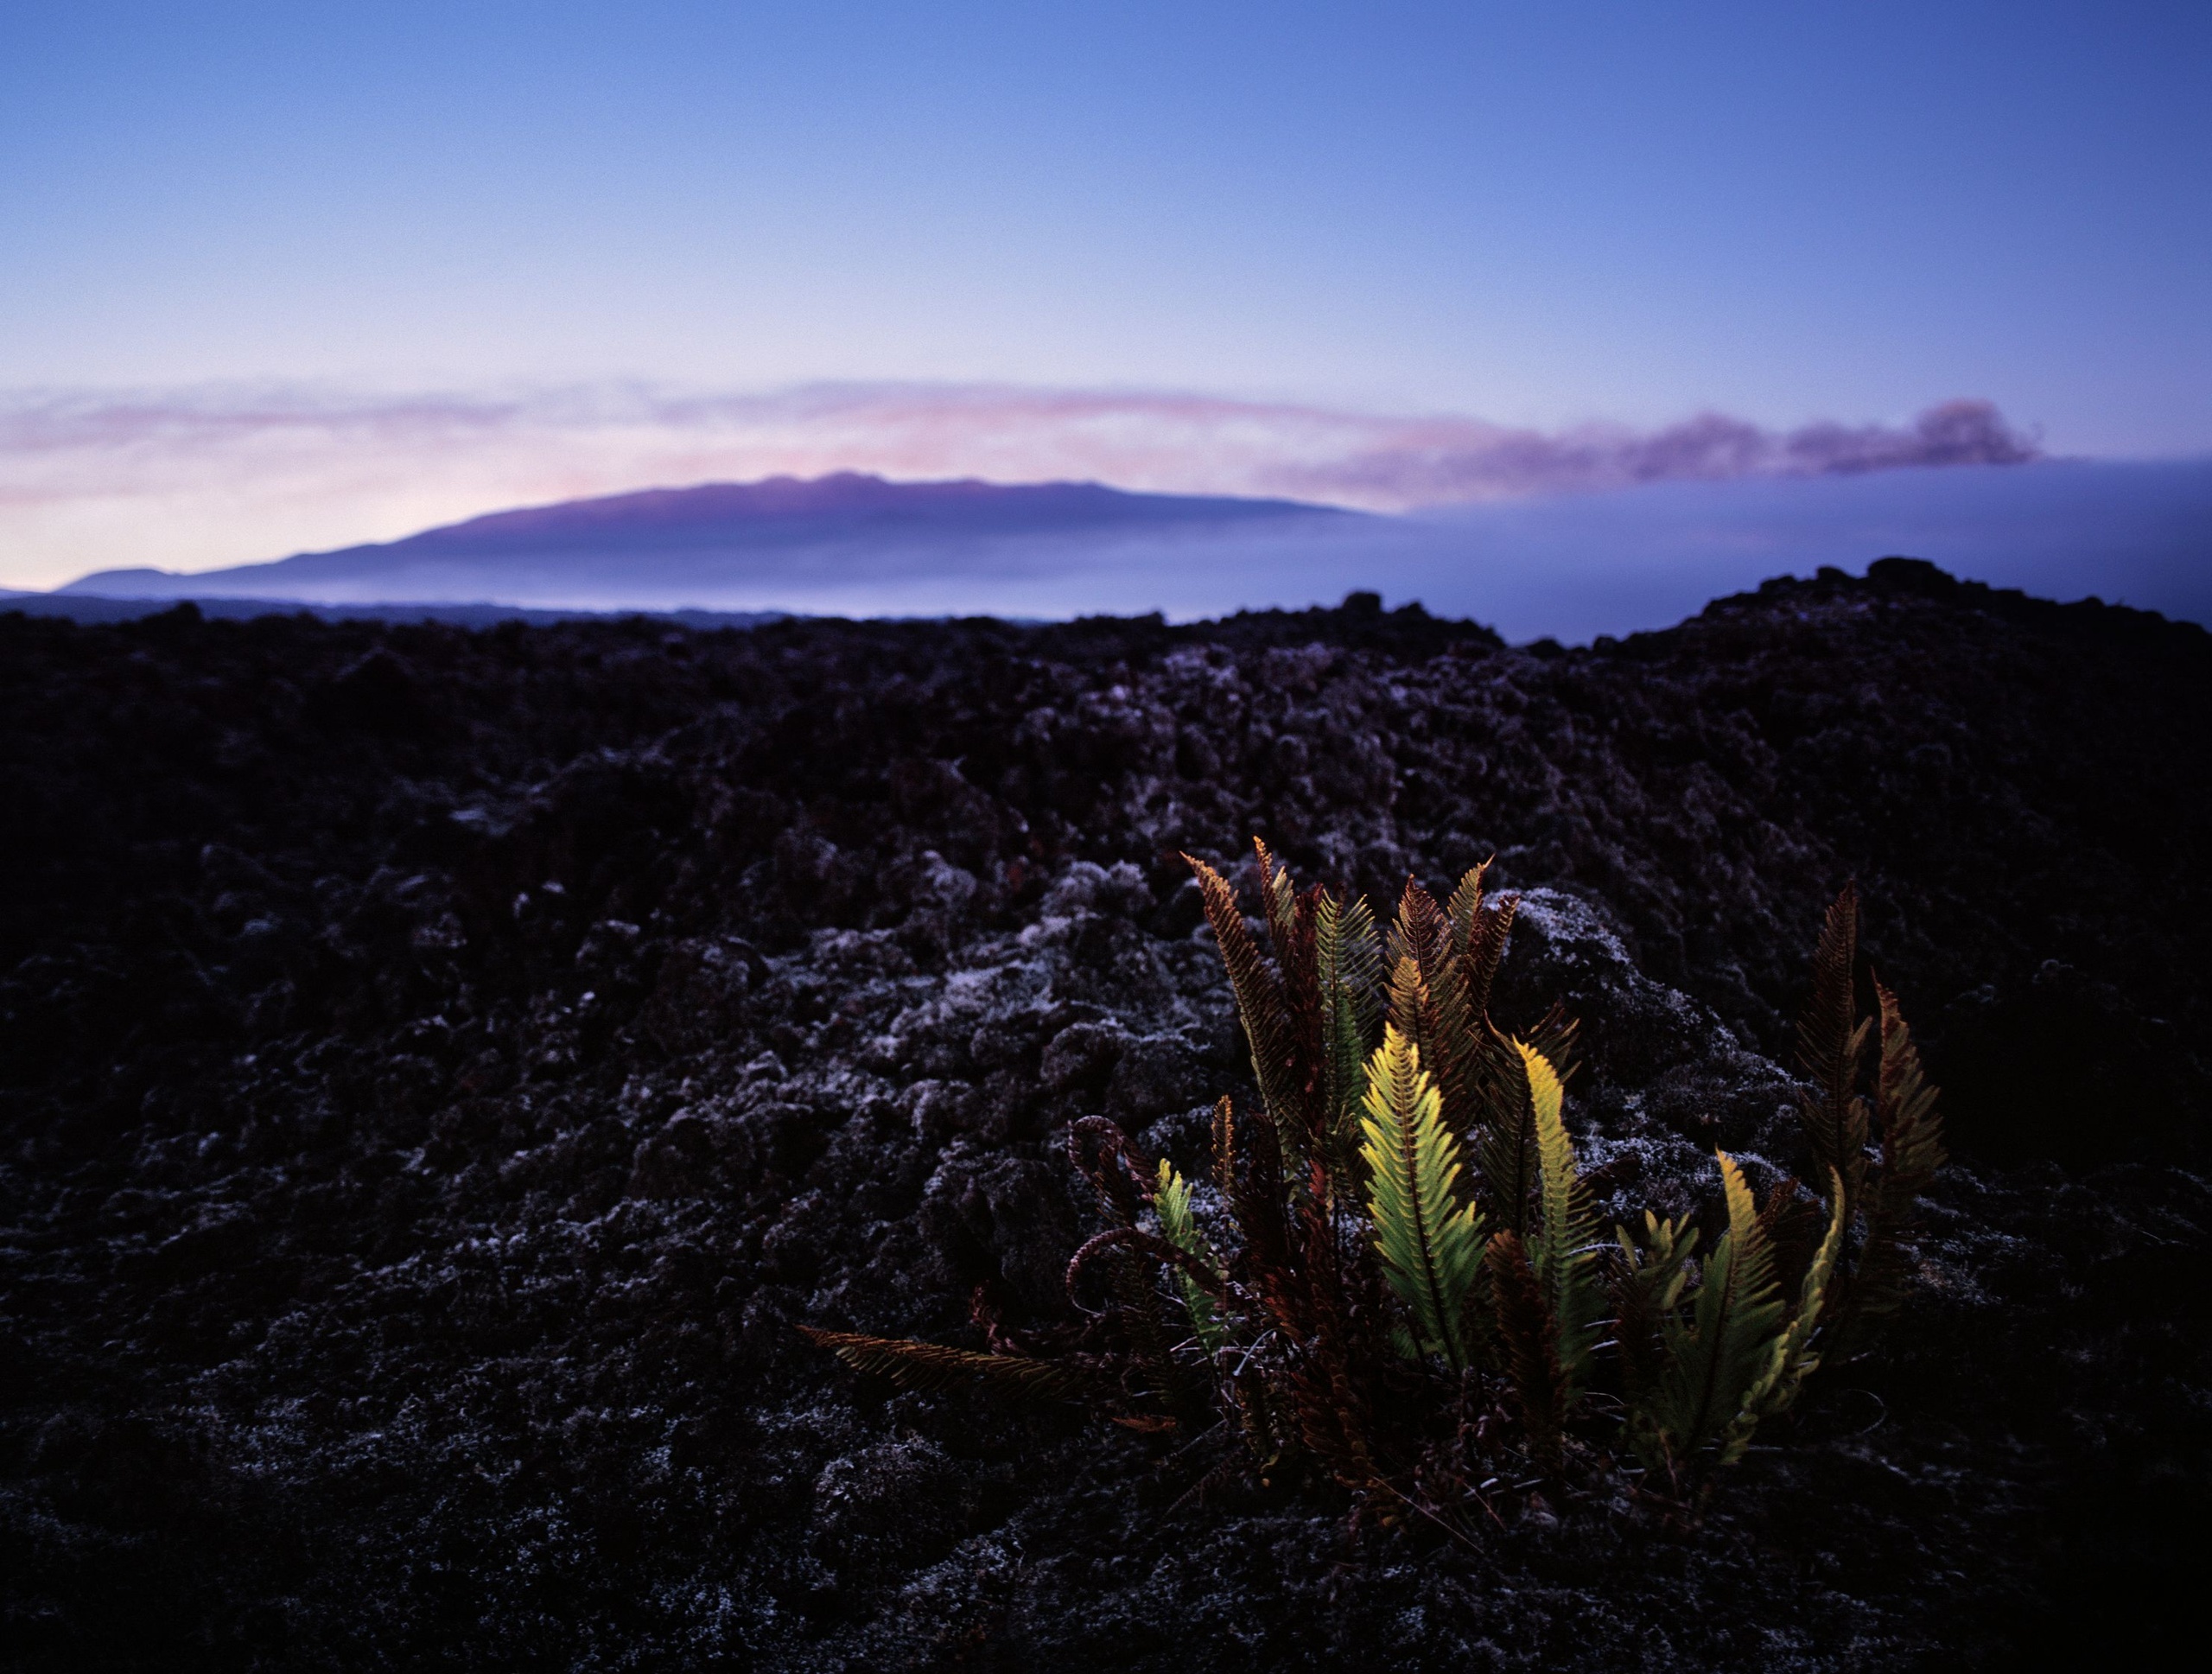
x=441 y=1069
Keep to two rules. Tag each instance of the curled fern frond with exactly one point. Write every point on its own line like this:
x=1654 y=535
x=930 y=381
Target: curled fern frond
x=1138 y=1242
x=1100 y=1152
x=1430 y=1241
x=918 y=1365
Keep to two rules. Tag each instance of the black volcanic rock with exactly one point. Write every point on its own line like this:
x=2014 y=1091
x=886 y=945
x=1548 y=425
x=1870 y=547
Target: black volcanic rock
x=438 y=1069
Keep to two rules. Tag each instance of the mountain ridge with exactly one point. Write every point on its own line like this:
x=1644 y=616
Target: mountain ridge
x=664 y=547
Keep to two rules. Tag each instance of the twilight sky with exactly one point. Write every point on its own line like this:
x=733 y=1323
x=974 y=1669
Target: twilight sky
x=265 y=268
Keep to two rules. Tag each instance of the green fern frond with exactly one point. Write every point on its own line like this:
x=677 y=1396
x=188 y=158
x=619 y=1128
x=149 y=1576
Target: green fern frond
x=1350 y=955
x=1561 y=1253
x=1430 y=1242
x=1792 y=1360
x=918 y=1365
x=1715 y=1360
x=1653 y=1271
x=1172 y=1202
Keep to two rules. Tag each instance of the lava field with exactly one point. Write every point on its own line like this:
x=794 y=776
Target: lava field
x=441 y=1069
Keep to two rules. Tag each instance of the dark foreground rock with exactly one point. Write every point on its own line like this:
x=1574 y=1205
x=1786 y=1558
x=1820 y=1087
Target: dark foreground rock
x=439 y=1069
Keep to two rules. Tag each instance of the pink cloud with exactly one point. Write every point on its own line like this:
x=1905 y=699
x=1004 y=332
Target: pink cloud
x=195 y=479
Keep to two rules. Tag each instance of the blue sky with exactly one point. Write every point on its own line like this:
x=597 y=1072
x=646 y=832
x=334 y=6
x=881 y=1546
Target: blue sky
x=1535 y=214
x=1527 y=215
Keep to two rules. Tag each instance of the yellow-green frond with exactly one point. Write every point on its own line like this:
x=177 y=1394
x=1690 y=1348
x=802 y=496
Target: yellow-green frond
x=1792 y=1360
x=1561 y=1252
x=1172 y=1202
x=1429 y=1238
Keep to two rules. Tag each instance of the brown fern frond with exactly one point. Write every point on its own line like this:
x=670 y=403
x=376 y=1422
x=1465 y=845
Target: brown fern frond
x=1252 y=1186
x=1264 y=1009
x=1831 y=1048
x=1279 y=899
x=1787 y=1224
x=919 y=1365
x=1435 y=1015
x=1407 y=1009
x=1486 y=951
x=1464 y=910
x=1531 y=1336
x=1421 y=932
x=1224 y=1146
x=1505 y=1141
x=1294 y=928
x=1909 y=1153
x=1905 y=1104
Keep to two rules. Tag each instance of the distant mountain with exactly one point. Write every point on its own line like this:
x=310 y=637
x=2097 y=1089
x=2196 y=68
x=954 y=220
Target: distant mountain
x=783 y=543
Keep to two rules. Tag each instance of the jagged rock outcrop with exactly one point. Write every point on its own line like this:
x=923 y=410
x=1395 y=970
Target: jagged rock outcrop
x=439 y=1071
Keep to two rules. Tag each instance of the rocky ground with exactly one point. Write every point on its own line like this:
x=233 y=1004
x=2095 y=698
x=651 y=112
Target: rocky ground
x=440 y=1068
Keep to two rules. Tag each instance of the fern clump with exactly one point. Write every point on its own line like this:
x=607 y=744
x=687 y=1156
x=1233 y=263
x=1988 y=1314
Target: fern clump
x=1405 y=1288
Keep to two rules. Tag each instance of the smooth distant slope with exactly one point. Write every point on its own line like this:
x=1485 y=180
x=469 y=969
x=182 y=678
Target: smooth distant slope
x=1571 y=568
x=735 y=545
